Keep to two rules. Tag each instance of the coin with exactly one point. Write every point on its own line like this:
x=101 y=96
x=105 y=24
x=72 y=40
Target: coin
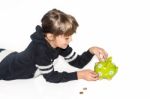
x=81 y=92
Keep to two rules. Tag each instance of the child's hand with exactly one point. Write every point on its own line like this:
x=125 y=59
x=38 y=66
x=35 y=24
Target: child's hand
x=99 y=52
x=88 y=75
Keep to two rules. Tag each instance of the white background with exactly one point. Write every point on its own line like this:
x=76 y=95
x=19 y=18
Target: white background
x=121 y=27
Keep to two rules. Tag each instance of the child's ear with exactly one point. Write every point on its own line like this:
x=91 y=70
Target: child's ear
x=50 y=36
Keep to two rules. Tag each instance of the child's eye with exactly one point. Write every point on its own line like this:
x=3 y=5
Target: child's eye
x=67 y=38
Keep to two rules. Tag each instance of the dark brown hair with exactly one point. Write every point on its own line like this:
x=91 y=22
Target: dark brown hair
x=59 y=23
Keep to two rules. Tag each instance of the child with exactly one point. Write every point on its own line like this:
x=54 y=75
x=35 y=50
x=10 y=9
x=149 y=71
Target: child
x=50 y=40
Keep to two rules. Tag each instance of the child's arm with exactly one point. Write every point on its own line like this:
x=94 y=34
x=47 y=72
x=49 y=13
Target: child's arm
x=74 y=59
x=56 y=77
x=99 y=52
x=80 y=61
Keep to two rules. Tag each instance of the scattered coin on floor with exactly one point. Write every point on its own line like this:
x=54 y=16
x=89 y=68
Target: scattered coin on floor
x=81 y=92
x=84 y=88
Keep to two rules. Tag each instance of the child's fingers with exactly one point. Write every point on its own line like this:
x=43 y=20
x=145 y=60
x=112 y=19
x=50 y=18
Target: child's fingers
x=98 y=55
x=102 y=55
x=94 y=77
x=105 y=54
x=93 y=74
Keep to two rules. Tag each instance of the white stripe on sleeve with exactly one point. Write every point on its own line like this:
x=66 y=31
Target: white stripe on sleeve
x=38 y=72
x=46 y=71
x=44 y=67
x=70 y=55
x=73 y=58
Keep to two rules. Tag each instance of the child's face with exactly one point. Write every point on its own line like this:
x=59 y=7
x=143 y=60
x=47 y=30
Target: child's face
x=60 y=41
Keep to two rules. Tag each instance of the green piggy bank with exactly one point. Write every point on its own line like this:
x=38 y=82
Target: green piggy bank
x=106 y=69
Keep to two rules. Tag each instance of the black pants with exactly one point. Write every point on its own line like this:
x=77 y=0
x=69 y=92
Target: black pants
x=2 y=69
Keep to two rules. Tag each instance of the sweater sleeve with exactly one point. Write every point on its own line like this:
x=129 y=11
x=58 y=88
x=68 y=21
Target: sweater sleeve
x=74 y=59
x=53 y=76
x=56 y=77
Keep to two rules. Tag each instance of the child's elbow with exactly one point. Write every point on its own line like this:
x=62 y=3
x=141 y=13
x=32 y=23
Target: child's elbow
x=81 y=67
x=51 y=79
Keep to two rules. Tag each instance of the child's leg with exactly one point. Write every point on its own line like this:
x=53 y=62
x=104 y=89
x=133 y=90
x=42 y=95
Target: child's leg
x=4 y=53
x=3 y=68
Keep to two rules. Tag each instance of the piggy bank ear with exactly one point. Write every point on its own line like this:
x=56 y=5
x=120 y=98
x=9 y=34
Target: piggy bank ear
x=97 y=63
x=109 y=60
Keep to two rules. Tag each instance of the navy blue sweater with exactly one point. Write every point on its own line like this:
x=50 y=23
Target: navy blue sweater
x=39 y=58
